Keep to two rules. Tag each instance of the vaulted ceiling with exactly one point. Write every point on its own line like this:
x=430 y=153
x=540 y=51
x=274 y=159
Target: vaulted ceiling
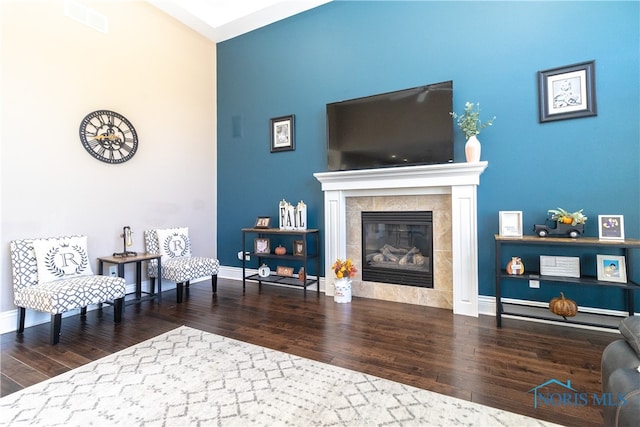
x=220 y=20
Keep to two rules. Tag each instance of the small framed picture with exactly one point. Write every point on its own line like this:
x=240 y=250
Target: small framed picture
x=612 y=268
x=611 y=227
x=284 y=271
x=282 y=134
x=298 y=247
x=262 y=222
x=567 y=92
x=261 y=246
x=511 y=223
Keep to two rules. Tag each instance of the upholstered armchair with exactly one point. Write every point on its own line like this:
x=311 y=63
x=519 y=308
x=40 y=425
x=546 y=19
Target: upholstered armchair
x=178 y=265
x=53 y=275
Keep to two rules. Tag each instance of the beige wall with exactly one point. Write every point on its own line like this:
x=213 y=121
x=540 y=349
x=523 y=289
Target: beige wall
x=149 y=68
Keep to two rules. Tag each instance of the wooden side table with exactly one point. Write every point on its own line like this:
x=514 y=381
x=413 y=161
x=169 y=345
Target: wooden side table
x=121 y=261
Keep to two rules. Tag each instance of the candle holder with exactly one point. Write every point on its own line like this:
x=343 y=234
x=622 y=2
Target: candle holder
x=126 y=241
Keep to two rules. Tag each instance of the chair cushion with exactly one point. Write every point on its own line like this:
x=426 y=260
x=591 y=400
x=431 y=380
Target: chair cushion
x=61 y=258
x=68 y=294
x=182 y=269
x=173 y=242
x=630 y=330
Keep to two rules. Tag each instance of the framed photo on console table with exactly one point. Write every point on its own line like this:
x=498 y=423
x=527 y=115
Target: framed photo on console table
x=611 y=227
x=261 y=246
x=612 y=268
x=262 y=222
x=298 y=247
x=510 y=223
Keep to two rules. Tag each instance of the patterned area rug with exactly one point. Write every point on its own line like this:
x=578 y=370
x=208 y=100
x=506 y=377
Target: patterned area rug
x=190 y=377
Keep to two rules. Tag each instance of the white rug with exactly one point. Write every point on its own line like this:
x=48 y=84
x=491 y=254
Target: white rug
x=189 y=377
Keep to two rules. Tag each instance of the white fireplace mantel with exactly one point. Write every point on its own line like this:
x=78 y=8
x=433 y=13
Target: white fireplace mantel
x=458 y=179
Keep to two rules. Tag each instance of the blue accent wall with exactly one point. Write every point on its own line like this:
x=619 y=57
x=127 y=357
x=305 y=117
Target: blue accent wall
x=492 y=51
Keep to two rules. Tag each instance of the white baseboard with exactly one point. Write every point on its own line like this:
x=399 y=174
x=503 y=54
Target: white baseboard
x=486 y=305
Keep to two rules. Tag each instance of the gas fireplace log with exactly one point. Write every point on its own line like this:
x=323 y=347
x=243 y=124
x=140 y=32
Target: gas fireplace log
x=409 y=255
x=388 y=255
x=394 y=250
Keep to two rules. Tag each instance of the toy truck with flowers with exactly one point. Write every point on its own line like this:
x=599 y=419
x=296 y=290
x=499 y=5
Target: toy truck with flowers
x=562 y=223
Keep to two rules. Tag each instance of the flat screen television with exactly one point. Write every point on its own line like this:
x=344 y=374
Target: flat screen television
x=402 y=128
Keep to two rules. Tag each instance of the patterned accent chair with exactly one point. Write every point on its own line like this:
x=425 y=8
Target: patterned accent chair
x=53 y=275
x=178 y=265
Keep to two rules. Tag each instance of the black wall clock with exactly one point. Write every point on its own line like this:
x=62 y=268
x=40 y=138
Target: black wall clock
x=108 y=136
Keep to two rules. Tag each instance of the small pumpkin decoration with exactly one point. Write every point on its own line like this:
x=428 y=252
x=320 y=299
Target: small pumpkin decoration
x=280 y=250
x=563 y=307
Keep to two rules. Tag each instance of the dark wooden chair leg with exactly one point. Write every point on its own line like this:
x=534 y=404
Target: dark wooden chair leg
x=179 y=290
x=118 y=309
x=21 y=315
x=83 y=312
x=56 y=323
x=186 y=288
x=152 y=285
x=214 y=283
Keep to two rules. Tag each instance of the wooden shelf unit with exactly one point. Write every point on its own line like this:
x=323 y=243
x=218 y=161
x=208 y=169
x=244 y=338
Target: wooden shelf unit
x=311 y=252
x=542 y=312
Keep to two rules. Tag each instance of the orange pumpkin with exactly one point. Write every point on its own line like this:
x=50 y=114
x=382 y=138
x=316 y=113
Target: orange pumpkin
x=563 y=307
x=280 y=250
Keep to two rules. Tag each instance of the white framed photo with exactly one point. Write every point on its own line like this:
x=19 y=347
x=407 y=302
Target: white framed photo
x=612 y=268
x=510 y=223
x=611 y=227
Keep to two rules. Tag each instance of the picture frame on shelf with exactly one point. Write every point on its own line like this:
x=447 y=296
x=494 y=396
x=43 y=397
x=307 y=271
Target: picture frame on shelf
x=298 y=247
x=612 y=268
x=611 y=227
x=261 y=246
x=567 y=92
x=263 y=222
x=510 y=223
x=282 y=134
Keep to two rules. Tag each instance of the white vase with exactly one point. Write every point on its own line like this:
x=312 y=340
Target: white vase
x=472 y=149
x=342 y=290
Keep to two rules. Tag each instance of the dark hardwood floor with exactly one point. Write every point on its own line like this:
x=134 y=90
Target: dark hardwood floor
x=430 y=348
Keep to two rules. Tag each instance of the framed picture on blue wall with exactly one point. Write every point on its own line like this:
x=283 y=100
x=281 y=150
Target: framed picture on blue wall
x=282 y=134
x=567 y=92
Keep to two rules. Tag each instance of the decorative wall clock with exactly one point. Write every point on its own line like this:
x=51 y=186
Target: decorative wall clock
x=108 y=136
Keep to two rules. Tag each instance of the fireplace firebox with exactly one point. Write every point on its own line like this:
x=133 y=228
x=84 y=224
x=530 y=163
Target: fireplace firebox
x=397 y=247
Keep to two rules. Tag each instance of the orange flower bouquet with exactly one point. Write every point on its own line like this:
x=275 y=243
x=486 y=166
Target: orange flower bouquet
x=344 y=269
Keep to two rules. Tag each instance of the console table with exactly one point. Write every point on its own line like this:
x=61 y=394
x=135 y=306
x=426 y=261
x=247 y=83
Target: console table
x=310 y=249
x=584 y=248
x=137 y=259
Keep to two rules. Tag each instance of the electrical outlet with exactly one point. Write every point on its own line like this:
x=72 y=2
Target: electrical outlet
x=534 y=284
x=246 y=256
x=113 y=271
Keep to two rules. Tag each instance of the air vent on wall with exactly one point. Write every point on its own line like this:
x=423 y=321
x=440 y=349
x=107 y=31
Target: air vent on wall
x=86 y=16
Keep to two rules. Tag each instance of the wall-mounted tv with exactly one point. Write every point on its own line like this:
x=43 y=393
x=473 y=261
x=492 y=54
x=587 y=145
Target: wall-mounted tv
x=402 y=128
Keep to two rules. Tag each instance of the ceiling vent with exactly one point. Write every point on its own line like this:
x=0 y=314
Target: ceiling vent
x=86 y=16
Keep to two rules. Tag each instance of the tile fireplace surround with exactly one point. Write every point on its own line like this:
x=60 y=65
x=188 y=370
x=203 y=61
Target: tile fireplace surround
x=449 y=190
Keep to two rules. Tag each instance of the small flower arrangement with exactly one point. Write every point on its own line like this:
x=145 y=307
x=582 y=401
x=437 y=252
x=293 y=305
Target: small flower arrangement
x=469 y=121
x=567 y=217
x=344 y=269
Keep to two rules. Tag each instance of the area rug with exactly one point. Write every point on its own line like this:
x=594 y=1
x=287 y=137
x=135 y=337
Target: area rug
x=189 y=377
